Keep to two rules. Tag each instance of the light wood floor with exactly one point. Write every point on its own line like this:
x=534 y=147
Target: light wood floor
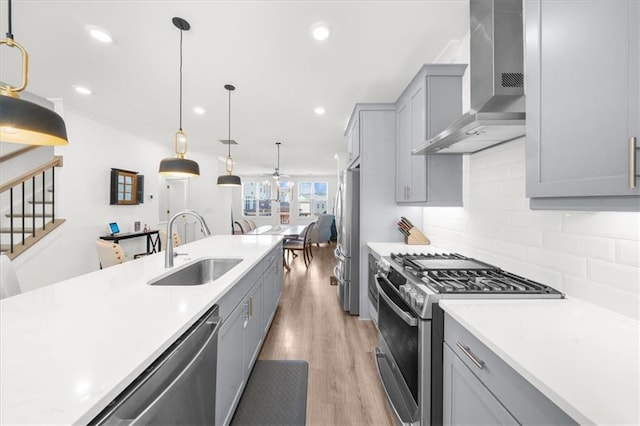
x=343 y=387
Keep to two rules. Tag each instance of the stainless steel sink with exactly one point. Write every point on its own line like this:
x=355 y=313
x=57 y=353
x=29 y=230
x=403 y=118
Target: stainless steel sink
x=200 y=272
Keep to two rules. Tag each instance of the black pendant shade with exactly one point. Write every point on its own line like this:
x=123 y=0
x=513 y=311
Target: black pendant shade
x=31 y=124
x=229 y=179
x=179 y=166
x=22 y=121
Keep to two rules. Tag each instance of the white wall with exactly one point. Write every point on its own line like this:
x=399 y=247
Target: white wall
x=82 y=187
x=594 y=256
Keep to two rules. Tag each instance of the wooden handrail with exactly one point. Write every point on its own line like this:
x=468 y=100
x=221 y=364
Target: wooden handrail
x=55 y=162
x=18 y=152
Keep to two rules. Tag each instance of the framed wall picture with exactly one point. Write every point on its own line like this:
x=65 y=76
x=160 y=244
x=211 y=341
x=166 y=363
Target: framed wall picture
x=127 y=187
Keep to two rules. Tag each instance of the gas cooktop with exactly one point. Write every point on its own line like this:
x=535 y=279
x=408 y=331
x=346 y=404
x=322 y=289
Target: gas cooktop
x=422 y=279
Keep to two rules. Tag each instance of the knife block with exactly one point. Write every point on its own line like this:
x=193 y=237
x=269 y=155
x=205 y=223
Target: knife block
x=416 y=237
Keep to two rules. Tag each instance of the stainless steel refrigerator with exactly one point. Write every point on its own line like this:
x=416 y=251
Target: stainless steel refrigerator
x=347 y=270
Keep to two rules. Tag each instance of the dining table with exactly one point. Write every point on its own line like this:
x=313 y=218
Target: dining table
x=288 y=232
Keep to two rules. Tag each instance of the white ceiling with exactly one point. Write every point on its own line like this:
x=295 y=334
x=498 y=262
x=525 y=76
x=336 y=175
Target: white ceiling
x=264 y=48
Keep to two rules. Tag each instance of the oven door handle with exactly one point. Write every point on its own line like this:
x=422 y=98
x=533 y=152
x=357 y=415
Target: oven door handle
x=411 y=321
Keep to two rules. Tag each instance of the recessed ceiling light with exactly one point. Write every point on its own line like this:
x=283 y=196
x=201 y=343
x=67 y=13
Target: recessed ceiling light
x=82 y=90
x=319 y=110
x=100 y=34
x=320 y=31
x=199 y=110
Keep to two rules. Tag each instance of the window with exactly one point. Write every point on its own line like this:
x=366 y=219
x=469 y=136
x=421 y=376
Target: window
x=257 y=199
x=312 y=198
x=285 y=192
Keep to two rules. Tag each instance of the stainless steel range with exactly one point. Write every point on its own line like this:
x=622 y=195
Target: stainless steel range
x=410 y=322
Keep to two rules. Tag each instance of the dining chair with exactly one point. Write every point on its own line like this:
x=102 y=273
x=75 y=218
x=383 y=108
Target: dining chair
x=253 y=224
x=304 y=245
x=175 y=237
x=9 y=285
x=109 y=253
x=243 y=228
x=246 y=225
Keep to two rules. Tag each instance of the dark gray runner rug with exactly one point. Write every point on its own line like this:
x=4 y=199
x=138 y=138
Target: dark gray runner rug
x=276 y=394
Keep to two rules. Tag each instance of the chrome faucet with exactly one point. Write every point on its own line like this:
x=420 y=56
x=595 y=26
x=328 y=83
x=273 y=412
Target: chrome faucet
x=168 y=253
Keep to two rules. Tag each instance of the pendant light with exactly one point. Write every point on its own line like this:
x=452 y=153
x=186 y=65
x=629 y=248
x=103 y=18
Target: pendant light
x=180 y=166
x=22 y=121
x=276 y=174
x=229 y=179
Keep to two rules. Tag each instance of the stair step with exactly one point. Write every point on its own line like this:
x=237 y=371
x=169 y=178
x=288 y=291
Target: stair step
x=40 y=202
x=29 y=215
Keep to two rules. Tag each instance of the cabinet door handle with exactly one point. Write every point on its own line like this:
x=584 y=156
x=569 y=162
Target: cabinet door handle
x=250 y=307
x=408 y=192
x=632 y=162
x=467 y=352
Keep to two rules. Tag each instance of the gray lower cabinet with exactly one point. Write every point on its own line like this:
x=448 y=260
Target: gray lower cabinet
x=230 y=375
x=480 y=388
x=246 y=311
x=466 y=400
x=272 y=287
x=431 y=101
x=582 y=100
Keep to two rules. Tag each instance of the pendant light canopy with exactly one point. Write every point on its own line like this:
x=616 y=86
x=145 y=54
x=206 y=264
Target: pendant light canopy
x=22 y=121
x=180 y=166
x=229 y=179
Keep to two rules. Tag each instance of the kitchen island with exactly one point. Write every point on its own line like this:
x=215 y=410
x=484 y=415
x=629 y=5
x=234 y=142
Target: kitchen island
x=68 y=349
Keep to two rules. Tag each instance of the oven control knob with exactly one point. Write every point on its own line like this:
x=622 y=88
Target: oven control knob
x=404 y=290
x=419 y=302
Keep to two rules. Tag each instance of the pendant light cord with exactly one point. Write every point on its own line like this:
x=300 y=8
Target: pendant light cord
x=229 y=144
x=9 y=27
x=180 y=80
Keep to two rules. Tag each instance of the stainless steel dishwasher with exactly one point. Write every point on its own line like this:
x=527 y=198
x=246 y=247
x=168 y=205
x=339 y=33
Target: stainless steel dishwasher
x=179 y=388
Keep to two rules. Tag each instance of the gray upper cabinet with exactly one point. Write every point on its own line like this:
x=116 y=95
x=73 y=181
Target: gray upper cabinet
x=427 y=106
x=582 y=91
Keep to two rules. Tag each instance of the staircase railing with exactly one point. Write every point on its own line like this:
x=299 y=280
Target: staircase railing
x=36 y=233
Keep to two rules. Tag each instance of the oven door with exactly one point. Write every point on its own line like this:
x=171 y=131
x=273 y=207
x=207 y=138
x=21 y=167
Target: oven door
x=397 y=354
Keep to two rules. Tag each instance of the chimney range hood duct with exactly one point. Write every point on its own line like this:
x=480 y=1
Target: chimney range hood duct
x=497 y=82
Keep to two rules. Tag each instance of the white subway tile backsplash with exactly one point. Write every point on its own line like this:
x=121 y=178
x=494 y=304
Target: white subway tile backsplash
x=593 y=256
x=619 y=225
x=543 y=220
x=507 y=249
x=623 y=277
x=603 y=295
x=628 y=252
x=525 y=236
x=580 y=245
x=564 y=263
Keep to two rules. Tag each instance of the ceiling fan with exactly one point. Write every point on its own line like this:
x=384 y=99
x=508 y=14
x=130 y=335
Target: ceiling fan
x=276 y=174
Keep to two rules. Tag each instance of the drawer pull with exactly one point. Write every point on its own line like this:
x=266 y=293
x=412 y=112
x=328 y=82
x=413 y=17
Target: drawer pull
x=467 y=352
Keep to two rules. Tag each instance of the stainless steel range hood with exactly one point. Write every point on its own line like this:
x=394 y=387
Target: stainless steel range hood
x=497 y=82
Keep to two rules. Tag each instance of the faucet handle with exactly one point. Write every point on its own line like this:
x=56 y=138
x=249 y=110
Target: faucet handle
x=175 y=254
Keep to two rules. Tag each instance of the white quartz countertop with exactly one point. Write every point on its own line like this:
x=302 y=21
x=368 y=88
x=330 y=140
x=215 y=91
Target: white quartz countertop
x=582 y=357
x=68 y=349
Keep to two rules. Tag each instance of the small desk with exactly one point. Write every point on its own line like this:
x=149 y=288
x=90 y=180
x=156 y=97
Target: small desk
x=154 y=244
